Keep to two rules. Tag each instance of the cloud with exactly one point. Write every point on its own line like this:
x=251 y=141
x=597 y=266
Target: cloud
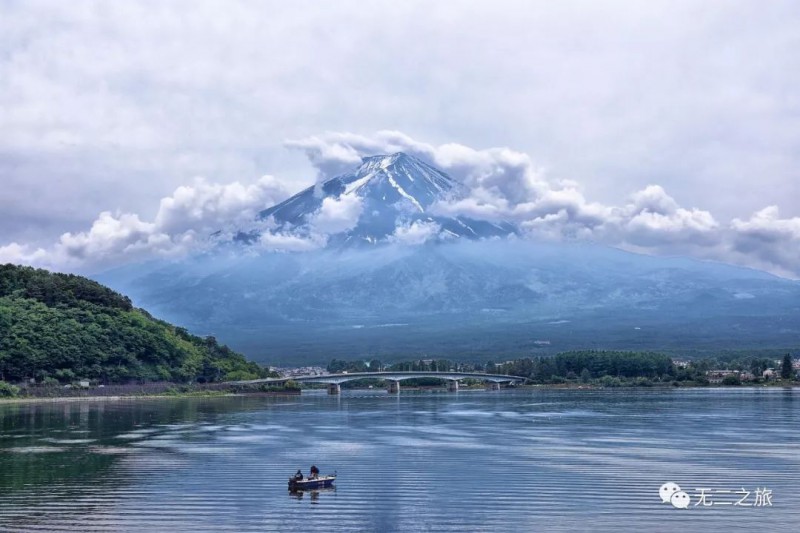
x=114 y=235
x=289 y=242
x=209 y=207
x=773 y=242
x=416 y=233
x=336 y=215
x=21 y=254
x=183 y=223
x=653 y=219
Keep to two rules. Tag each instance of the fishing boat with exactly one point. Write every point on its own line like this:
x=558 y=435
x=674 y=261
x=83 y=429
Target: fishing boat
x=319 y=482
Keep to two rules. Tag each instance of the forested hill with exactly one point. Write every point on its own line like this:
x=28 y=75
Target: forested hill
x=62 y=326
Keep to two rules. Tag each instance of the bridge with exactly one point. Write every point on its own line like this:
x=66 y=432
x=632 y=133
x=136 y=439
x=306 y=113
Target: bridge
x=334 y=381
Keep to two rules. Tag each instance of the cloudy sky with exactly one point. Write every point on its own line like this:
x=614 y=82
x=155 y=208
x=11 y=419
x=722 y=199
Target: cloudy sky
x=131 y=128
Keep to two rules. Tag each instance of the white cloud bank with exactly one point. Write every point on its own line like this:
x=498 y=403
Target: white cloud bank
x=184 y=222
x=505 y=185
x=502 y=185
x=769 y=242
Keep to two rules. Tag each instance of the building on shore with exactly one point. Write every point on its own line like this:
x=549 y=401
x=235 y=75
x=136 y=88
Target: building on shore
x=716 y=376
x=301 y=371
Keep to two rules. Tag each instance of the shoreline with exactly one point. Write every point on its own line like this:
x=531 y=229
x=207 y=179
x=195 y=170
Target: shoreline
x=561 y=386
x=120 y=398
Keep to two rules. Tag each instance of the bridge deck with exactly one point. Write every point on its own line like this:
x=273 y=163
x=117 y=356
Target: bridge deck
x=389 y=376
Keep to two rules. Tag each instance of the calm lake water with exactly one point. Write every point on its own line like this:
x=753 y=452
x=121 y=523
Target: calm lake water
x=467 y=461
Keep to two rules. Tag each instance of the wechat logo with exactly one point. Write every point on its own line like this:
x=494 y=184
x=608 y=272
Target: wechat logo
x=672 y=493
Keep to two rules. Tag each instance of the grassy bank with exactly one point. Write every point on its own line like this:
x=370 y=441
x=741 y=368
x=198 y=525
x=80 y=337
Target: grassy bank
x=10 y=392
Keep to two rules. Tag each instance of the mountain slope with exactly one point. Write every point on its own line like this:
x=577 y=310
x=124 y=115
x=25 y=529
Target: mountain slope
x=468 y=299
x=65 y=326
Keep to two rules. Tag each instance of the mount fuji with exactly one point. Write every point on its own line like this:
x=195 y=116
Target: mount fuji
x=393 y=190
x=477 y=290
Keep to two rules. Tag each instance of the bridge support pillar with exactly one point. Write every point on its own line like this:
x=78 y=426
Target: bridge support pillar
x=492 y=385
x=452 y=385
x=334 y=388
x=394 y=387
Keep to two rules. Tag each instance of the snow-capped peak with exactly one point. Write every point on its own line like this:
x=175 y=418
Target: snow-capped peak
x=393 y=189
x=382 y=161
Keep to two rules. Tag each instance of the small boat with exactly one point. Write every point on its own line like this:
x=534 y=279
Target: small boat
x=319 y=482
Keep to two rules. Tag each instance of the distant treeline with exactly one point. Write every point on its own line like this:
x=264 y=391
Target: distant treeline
x=586 y=365
x=58 y=328
x=589 y=365
x=609 y=368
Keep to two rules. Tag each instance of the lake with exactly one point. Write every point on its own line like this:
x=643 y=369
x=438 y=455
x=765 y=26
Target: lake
x=511 y=460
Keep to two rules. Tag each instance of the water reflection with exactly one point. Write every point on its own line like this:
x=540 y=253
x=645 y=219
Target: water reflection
x=311 y=495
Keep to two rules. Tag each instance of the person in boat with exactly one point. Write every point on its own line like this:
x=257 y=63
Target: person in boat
x=314 y=472
x=298 y=476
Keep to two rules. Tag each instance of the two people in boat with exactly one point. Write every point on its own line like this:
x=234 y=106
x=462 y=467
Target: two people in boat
x=313 y=475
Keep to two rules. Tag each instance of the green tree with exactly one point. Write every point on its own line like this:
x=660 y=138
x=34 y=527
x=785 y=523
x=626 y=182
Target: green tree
x=8 y=390
x=731 y=379
x=786 y=367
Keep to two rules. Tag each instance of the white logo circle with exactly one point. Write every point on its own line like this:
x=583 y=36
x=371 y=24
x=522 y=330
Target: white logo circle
x=667 y=490
x=680 y=500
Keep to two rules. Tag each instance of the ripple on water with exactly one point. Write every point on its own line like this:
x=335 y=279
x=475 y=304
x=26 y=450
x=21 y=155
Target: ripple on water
x=67 y=441
x=113 y=450
x=35 y=449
